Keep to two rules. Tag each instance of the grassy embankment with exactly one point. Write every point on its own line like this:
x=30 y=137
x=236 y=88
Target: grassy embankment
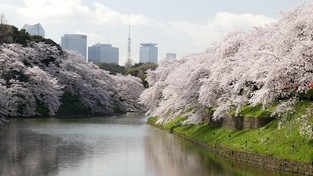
x=285 y=143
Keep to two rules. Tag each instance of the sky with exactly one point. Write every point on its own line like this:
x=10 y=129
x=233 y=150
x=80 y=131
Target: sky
x=177 y=26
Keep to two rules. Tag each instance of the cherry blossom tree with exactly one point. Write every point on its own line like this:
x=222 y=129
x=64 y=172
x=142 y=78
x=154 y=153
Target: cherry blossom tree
x=26 y=86
x=40 y=75
x=4 y=101
x=265 y=65
x=129 y=89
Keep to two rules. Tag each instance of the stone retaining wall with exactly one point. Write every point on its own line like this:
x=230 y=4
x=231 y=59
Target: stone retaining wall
x=240 y=122
x=266 y=161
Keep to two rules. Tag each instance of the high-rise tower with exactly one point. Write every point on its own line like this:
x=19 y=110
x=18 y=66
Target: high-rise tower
x=148 y=53
x=75 y=42
x=103 y=53
x=129 y=47
x=36 y=29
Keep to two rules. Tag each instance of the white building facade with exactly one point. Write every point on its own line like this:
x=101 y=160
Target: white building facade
x=148 y=53
x=75 y=42
x=103 y=53
x=35 y=29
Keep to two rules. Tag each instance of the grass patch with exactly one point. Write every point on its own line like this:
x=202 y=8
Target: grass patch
x=167 y=126
x=152 y=120
x=302 y=106
x=177 y=122
x=254 y=111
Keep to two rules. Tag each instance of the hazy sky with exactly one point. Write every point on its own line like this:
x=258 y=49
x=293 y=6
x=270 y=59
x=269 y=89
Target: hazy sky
x=179 y=26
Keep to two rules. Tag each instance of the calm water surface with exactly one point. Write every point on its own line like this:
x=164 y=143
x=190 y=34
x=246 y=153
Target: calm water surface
x=110 y=146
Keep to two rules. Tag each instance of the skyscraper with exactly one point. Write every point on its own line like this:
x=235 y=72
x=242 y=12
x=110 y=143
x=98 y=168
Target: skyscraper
x=35 y=29
x=148 y=53
x=75 y=42
x=103 y=53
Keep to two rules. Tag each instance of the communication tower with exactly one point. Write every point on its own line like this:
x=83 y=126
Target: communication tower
x=129 y=46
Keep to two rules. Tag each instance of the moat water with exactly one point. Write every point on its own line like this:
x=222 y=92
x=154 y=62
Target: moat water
x=108 y=146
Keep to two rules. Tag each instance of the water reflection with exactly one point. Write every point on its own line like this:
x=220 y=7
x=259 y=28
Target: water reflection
x=166 y=154
x=24 y=152
x=122 y=145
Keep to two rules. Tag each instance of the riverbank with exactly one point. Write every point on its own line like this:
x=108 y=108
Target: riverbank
x=268 y=147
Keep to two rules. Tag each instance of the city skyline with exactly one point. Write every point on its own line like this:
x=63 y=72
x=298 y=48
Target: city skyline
x=175 y=25
x=106 y=53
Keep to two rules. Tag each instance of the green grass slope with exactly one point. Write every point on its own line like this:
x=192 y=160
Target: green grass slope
x=284 y=143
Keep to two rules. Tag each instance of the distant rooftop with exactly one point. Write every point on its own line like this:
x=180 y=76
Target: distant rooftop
x=102 y=44
x=35 y=29
x=148 y=44
x=27 y=26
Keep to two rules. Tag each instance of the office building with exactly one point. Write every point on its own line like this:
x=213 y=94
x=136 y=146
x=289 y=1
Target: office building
x=170 y=56
x=36 y=29
x=103 y=53
x=148 y=53
x=75 y=42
